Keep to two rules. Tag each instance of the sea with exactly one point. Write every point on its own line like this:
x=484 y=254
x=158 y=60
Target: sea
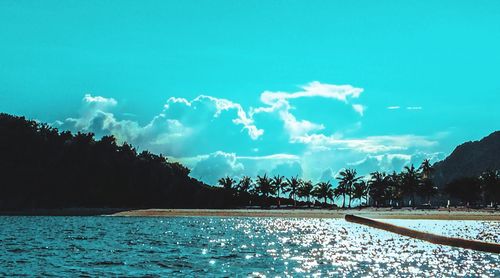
x=104 y=246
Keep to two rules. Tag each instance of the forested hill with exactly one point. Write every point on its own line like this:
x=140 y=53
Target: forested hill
x=41 y=167
x=469 y=160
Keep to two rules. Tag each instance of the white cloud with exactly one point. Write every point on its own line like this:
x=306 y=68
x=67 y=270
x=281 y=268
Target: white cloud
x=298 y=128
x=360 y=109
x=279 y=156
x=393 y=161
x=314 y=89
x=370 y=144
x=98 y=99
x=195 y=131
x=384 y=162
x=217 y=165
x=209 y=168
x=407 y=108
x=279 y=102
x=220 y=106
x=181 y=128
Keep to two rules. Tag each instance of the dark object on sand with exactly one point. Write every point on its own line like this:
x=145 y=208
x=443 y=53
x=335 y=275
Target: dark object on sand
x=432 y=238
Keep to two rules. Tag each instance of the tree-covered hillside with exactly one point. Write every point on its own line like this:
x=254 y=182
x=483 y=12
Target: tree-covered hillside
x=41 y=167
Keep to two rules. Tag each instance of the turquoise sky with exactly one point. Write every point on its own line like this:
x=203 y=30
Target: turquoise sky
x=423 y=77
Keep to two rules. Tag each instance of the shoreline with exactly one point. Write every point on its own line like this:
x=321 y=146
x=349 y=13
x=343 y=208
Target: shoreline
x=380 y=213
x=318 y=213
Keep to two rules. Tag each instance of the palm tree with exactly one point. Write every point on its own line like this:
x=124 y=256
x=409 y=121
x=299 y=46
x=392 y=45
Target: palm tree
x=293 y=185
x=426 y=169
x=305 y=191
x=378 y=188
x=264 y=186
x=395 y=189
x=347 y=178
x=340 y=190
x=244 y=187
x=467 y=189
x=279 y=185
x=490 y=186
x=410 y=180
x=427 y=188
x=227 y=182
x=360 y=190
x=323 y=190
x=332 y=196
x=244 y=184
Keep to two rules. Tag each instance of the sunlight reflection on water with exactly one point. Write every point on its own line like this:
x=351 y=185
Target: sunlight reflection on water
x=67 y=246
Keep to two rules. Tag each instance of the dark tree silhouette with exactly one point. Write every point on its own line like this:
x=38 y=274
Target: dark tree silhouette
x=340 y=190
x=41 y=167
x=323 y=190
x=293 y=185
x=490 y=186
x=360 y=191
x=467 y=190
x=427 y=189
x=245 y=184
x=227 y=183
x=279 y=185
x=379 y=190
x=410 y=181
x=305 y=191
x=347 y=178
x=264 y=186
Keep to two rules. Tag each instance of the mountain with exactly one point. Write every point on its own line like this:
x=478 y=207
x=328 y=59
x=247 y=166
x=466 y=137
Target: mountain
x=469 y=159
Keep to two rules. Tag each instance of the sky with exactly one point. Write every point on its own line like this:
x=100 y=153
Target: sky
x=251 y=87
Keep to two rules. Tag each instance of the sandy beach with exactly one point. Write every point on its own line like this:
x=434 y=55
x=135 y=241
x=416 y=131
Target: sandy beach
x=439 y=214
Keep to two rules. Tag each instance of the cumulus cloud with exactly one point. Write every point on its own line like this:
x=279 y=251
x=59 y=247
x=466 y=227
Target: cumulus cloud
x=393 y=161
x=327 y=175
x=217 y=165
x=93 y=110
x=209 y=168
x=217 y=137
x=180 y=126
x=384 y=162
x=218 y=105
x=288 y=169
x=279 y=102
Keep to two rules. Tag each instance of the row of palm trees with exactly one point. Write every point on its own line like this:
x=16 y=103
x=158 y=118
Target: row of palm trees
x=406 y=187
x=380 y=188
x=482 y=190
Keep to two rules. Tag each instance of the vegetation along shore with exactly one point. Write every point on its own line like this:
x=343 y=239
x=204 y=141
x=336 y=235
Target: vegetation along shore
x=46 y=170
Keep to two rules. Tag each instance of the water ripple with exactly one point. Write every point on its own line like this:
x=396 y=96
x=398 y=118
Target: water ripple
x=194 y=246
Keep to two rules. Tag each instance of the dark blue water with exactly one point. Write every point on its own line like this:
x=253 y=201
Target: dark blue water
x=210 y=246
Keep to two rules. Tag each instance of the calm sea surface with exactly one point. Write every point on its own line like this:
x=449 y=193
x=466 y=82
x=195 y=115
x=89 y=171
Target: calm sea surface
x=211 y=246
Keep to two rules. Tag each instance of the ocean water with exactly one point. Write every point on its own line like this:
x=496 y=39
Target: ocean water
x=235 y=247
